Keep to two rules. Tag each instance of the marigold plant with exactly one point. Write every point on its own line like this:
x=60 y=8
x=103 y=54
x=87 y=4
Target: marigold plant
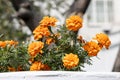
x=63 y=49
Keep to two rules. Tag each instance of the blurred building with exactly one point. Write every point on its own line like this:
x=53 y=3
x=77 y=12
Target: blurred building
x=102 y=16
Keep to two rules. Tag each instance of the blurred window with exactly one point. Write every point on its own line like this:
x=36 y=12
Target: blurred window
x=100 y=11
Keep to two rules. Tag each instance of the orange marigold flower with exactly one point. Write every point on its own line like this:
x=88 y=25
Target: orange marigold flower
x=39 y=32
x=74 y=23
x=70 y=60
x=11 y=69
x=49 y=40
x=36 y=66
x=103 y=40
x=35 y=47
x=46 y=67
x=48 y=21
x=11 y=42
x=92 y=48
x=19 y=68
x=2 y=44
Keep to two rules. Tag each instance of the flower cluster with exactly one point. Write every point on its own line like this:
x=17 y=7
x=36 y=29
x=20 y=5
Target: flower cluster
x=63 y=49
x=68 y=51
x=42 y=29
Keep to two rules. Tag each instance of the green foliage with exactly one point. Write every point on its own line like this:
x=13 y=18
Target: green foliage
x=14 y=57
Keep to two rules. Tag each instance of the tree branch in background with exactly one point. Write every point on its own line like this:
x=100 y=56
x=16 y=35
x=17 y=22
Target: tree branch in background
x=78 y=7
x=26 y=12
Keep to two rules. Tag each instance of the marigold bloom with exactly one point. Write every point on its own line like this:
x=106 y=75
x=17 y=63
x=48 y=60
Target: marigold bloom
x=74 y=23
x=11 y=69
x=36 y=66
x=39 y=32
x=70 y=60
x=35 y=47
x=48 y=21
x=19 y=68
x=92 y=48
x=49 y=40
x=2 y=44
x=11 y=42
x=103 y=40
x=46 y=67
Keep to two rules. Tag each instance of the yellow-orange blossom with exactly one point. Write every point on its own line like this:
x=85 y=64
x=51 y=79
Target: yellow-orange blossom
x=103 y=40
x=40 y=32
x=48 y=21
x=35 y=48
x=70 y=60
x=8 y=42
x=42 y=29
x=37 y=66
x=74 y=23
x=92 y=48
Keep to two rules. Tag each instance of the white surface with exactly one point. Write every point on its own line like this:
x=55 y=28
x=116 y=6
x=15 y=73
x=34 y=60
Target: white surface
x=59 y=75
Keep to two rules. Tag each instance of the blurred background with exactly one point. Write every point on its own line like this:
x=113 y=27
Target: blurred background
x=18 y=18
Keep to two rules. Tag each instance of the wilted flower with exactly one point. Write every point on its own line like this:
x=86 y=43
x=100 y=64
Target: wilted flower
x=80 y=39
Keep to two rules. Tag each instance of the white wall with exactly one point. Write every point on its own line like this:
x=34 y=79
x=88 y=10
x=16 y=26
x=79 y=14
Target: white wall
x=117 y=12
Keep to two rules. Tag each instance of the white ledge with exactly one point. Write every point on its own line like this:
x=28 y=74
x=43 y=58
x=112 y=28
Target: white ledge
x=59 y=75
